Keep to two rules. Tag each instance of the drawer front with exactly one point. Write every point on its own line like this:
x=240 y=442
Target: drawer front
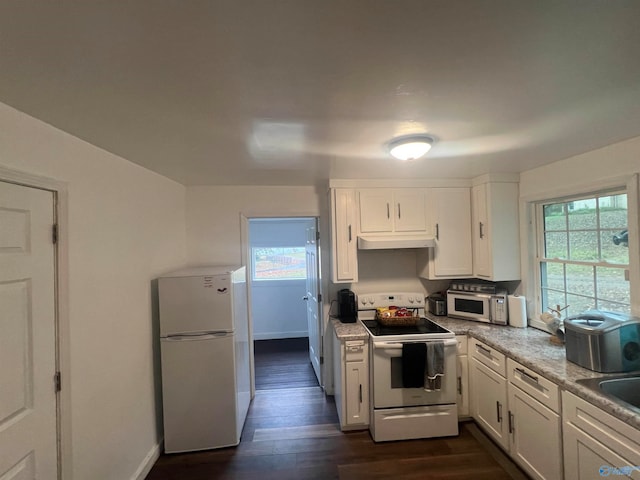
x=543 y=390
x=606 y=429
x=462 y=344
x=489 y=356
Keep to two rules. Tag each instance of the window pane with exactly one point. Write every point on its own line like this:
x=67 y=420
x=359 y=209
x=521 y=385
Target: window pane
x=578 y=304
x=555 y=245
x=611 y=252
x=551 y=298
x=552 y=275
x=583 y=246
x=612 y=285
x=580 y=279
x=279 y=263
x=555 y=217
x=613 y=211
x=614 y=307
x=583 y=214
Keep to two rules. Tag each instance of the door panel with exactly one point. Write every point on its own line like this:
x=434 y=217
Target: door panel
x=313 y=302
x=28 y=436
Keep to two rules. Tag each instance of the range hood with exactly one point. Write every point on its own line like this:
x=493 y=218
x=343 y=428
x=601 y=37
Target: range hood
x=380 y=242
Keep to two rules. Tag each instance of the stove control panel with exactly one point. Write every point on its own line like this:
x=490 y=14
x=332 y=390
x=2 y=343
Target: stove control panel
x=369 y=301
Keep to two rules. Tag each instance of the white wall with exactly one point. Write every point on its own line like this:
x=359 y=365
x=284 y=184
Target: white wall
x=612 y=161
x=213 y=217
x=126 y=225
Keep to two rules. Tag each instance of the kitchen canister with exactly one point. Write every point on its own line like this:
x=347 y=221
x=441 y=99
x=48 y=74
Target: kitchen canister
x=517 y=311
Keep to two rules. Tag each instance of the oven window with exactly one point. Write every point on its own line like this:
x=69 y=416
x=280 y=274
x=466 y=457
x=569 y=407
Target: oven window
x=469 y=306
x=396 y=372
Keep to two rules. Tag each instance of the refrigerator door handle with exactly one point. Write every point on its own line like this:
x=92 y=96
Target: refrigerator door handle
x=200 y=336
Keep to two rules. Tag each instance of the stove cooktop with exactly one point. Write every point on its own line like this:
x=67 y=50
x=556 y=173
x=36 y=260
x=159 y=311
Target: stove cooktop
x=423 y=327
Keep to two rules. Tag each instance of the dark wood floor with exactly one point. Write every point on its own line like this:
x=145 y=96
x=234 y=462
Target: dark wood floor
x=293 y=433
x=283 y=363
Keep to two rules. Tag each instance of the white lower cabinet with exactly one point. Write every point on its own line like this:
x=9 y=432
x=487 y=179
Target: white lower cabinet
x=462 y=367
x=489 y=401
x=518 y=409
x=596 y=444
x=351 y=382
x=535 y=435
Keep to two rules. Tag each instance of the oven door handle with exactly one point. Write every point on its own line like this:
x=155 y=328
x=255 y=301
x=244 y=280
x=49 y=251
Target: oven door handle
x=398 y=345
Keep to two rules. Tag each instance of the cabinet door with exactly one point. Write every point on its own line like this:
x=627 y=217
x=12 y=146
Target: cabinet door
x=481 y=254
x=409 y=210
x=452 y=255
x=536 y=436
x=376 y=210
x=343 y=236
x=463 y=386
x=489 y=402
x=356 y=395
x=585 y=458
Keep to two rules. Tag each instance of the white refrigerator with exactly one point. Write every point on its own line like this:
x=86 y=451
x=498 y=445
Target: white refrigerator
x=204 y=345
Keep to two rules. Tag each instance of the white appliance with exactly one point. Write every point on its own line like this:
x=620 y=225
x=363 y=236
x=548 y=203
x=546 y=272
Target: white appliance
x=204 y=343
x=478 y=301
x=398 y=412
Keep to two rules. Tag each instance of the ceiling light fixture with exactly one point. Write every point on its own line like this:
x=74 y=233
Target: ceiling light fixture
x=410 y=147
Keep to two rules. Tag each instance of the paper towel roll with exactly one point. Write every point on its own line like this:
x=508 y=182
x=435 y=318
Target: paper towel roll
x=517 y=311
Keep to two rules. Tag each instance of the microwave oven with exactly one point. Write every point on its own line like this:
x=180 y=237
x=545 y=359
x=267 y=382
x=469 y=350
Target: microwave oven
x=478 y=306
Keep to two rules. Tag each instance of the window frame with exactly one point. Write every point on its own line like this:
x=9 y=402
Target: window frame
x=540 y=250
x=529 y=237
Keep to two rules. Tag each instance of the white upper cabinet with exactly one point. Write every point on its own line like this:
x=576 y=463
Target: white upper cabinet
x=343 y=236
x=386 y=210
x=450 y=219
x=496 y=238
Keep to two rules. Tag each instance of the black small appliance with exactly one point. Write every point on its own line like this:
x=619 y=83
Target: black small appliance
x=437 y=304
x=347 y=306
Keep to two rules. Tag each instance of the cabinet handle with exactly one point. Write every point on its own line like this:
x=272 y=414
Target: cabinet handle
x=527 y=377
x=360 y=393
x=437 y=231
x=459 y=385
x=481 y=230
x=388 y=211
x=499 y=412
x=349 y=233
x=483 y=350
x=511 y=422
x=399 y=214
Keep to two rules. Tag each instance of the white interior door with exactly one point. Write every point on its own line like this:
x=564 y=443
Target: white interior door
x=313 y=301
x=28 y=436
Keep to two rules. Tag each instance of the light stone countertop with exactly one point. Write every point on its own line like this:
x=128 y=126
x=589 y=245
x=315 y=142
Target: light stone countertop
x=530 y=347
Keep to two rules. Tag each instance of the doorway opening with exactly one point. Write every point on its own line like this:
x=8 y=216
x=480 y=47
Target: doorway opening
x=279 y=274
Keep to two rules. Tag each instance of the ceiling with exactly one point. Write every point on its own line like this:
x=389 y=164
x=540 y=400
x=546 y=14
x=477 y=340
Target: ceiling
x=293 y=92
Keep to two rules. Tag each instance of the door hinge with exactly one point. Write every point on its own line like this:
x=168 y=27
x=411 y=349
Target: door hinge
x=319 y=297
x=317 y=234
x=54 y=233
x=321 y=360
x=57 y=381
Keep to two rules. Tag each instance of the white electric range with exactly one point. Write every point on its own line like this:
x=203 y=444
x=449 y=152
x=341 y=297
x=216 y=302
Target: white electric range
x=399 y=412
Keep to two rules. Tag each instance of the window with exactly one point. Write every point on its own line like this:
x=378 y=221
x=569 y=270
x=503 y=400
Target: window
x=279 y=263
x=583 y=253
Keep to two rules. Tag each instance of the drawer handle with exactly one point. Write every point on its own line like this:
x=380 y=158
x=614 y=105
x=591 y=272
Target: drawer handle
x=499 y=412
x=527 y=377
x=483 y=350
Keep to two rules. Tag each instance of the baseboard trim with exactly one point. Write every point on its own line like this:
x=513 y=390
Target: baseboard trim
x=148 y=462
